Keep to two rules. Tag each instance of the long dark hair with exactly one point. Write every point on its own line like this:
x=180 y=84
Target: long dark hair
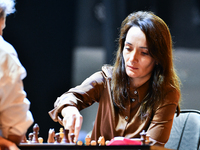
x=159 y=44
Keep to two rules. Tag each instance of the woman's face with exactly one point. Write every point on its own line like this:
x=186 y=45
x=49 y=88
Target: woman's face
x=138 y=62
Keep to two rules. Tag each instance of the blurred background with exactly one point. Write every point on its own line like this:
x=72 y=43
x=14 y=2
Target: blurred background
x=62 y=42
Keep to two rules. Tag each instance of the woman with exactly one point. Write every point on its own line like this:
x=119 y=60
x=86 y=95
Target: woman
x=15 y=117
x=140 y=92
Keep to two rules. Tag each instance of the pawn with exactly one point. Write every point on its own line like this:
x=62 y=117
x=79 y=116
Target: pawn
x=87 y=140
x=35 y=133
x=143 y=137
x=93 y=143
x=57 y=138
x=107 y=141
x=40 y=139
x=147 y=139
x=65 y=137
x=80 y=143
x=30 y=137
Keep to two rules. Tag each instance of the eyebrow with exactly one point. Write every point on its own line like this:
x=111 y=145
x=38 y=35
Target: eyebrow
x=127 y=43
x=143 y=47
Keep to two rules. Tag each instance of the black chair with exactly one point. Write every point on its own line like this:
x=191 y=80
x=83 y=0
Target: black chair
x=185 y=131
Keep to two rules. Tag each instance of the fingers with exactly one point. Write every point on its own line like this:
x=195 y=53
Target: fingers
x=78 y=125
x=7 y=145
x=72 y=121
x=13 y=147
x=71 y=126
x=74 y=127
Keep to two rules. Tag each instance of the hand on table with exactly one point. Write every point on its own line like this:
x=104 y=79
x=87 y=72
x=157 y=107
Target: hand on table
x=7 y=145
x=72 y=120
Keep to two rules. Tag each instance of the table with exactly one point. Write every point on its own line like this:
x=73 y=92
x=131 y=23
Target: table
x=49 y=146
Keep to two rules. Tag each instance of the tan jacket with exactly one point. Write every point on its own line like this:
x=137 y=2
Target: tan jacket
x=15 y=116
x=109 y=123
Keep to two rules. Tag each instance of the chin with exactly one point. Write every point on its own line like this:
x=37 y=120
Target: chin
x=131 y=74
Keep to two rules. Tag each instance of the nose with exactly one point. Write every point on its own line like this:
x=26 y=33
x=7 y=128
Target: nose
x=134 y=55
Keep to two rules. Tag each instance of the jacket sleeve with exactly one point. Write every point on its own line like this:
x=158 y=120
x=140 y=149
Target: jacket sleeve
x=81 y=96
x=161 y=124
x=15 y=117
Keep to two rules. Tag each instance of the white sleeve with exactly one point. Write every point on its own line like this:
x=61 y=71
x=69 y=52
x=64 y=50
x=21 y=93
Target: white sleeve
x=15 y=117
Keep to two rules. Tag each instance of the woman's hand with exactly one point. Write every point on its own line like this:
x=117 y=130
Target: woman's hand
x=7 y=145
x=72 y=121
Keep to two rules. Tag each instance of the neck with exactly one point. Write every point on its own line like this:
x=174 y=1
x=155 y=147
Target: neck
x=134 y=83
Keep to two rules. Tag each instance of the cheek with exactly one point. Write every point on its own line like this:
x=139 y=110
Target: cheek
x=124 y=57
x=150 y=65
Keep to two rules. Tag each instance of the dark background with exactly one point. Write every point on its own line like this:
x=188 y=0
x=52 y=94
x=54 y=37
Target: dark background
x=45 y=32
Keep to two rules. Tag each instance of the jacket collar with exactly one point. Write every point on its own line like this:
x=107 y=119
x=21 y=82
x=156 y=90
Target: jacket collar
x=143 y=91
x=107 y=70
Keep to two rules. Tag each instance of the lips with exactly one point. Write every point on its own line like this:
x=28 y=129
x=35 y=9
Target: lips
x=132 y=67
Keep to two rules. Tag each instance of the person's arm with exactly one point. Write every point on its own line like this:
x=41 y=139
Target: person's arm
x=15 y=138
x=161 y=124
x=15 y=114
x=81 y=96
x=67 y=107
x=6 y=144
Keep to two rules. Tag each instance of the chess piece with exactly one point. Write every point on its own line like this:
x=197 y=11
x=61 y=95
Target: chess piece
x=35 y=133
x=51 y=136
x=61 y=133
x=93 y=143
x=107 y=141
x=101 y=141
x=65 y=137
x=57 y=138
x=72 y=135
x=147 y=139
x=80 y=143
x=30 y=137
x=40 y=139
x=143 y=137
x=87 y=140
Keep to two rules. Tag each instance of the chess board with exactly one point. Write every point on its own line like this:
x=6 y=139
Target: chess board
x=62 y=141
x=50 y=146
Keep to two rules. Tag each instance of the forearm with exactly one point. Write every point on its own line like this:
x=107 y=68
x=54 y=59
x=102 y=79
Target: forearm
x=6 y=144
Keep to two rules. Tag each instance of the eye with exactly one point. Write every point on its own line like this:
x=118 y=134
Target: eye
x=145 y=53
x=127 y=48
